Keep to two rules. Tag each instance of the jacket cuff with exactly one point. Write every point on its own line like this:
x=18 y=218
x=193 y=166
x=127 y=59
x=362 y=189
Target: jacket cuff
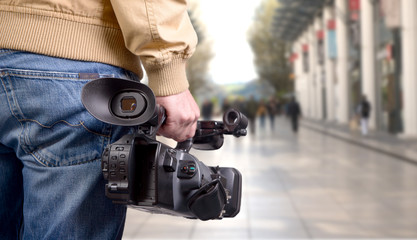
x=167 y=78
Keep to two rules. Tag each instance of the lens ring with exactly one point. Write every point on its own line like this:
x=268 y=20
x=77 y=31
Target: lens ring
x=232 y=117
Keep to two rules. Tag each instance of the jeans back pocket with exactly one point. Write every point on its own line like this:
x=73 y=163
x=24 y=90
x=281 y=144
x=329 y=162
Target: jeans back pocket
x=56 y=129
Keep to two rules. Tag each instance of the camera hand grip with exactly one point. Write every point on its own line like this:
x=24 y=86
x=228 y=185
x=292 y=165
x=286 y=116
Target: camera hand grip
x=185 y=145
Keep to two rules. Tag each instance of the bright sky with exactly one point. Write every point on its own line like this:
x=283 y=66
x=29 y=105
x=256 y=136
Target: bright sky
x=227 y=22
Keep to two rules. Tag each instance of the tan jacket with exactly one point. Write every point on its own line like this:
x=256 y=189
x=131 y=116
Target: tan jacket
x=123 y=33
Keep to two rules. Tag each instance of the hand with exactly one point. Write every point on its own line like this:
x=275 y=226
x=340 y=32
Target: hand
x=182 y=114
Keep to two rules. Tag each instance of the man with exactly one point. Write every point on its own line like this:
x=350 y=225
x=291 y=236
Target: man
x=250 y=112
x=207 y=109
x=50 y=147
x=272 y=107
x=294 y=113
x=364 y=112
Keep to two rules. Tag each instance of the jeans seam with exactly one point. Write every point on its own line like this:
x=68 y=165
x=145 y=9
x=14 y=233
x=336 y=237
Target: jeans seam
x=34 y=151
x=48 y=75
x=110 y=135
x=63 y=121
x=6 y=52
x=48 y=163
x=43 y=74
x=21 y=135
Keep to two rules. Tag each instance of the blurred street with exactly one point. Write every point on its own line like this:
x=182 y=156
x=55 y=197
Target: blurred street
x=306 y=185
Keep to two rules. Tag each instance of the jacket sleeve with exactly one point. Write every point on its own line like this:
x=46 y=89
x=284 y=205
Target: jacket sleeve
x=161 y=34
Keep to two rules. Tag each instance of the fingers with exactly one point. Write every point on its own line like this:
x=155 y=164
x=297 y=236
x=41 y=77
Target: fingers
x=182 y=114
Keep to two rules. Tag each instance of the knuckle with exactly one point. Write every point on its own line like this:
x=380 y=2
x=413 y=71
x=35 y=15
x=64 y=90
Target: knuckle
x=197 y=116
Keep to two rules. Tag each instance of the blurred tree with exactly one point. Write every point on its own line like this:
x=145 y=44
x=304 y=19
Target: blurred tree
x=270 y=58
x=198 y=65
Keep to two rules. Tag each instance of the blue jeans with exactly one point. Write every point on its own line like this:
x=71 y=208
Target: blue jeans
x=51 y=185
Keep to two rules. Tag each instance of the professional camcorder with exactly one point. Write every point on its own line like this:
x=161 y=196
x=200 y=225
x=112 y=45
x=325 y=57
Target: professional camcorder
x=149 y=175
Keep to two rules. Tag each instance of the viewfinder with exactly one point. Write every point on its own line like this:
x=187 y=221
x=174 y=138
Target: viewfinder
x=128 y=104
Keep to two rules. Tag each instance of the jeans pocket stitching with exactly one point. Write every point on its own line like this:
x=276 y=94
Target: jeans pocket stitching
x=47 y=162
x=81 y=123
x=44 y=159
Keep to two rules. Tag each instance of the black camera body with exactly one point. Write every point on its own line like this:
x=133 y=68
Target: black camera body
x=146 y=174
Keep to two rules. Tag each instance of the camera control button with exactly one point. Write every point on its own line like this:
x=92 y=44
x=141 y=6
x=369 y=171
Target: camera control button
x=184 y=169
x=187 y=170
x=113 y=187
x=191 y=169
x=170 y=162
x=104 y=167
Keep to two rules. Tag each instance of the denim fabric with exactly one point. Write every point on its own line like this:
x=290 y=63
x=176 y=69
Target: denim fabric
x=51 y=183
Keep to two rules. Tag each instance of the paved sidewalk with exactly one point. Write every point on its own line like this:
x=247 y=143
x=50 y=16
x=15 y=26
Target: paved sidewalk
x=308 y=185
x=396 y=146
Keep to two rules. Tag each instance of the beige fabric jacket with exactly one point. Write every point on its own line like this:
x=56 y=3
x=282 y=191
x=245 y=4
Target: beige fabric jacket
x=123 y=33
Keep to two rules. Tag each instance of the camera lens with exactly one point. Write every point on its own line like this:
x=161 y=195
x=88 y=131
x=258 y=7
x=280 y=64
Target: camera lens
x=232 y=117
x=235 y=121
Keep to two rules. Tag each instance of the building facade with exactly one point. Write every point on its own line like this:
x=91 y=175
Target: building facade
x=351 y=48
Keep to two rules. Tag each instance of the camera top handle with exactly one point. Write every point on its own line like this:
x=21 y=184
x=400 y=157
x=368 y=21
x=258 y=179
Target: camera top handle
x=209 y=134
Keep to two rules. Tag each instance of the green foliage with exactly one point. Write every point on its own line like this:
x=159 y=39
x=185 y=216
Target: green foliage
x=269 y=52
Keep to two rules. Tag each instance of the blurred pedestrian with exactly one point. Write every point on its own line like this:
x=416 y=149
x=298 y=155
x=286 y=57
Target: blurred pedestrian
x=272 y=107
x=364 y=112
x=294 y=113
x=250 y=112
x=226 y=105
x=261 y=113
x=207 y=109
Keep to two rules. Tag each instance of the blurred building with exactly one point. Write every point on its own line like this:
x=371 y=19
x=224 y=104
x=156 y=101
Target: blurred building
x=343 y=49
